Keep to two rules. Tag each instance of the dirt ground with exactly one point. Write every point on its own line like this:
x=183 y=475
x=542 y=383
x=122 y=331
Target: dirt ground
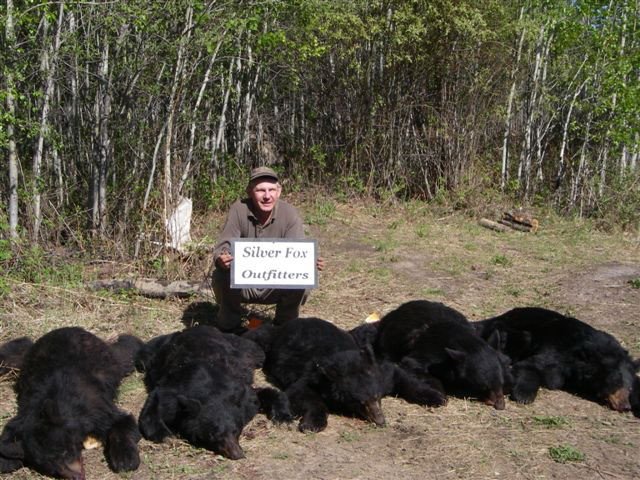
x=379 y=256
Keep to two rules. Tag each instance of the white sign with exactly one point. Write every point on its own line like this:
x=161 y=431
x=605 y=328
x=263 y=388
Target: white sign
x=273 y=263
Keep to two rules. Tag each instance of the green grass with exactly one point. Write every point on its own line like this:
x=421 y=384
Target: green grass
x=384 y=245
x=501 y=260
x=321 y=212
x=422 y=230
x=432 y=292
x=281 y=456
x=347 y=436
x=550 y=421
x=566 y=454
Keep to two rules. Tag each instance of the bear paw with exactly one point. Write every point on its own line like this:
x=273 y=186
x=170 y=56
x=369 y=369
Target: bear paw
x=313 y=422
x=522 y=395
x=8 y=465
x=123 y=456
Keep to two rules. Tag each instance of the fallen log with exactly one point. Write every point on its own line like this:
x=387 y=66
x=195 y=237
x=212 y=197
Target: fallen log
x=154 y=288
x=485 y=222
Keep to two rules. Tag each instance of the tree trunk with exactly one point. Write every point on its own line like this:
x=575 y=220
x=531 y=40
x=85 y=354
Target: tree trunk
x=222 y=122
x=565 y=129
x=504 y=177
x=102 y=143
x=177 y=77
x=192 y=130
x=48 y=67
x=11 y=141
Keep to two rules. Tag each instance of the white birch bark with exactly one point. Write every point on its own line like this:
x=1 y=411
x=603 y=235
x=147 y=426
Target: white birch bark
x=104 y=138
x=504 y=177
x=48 y=67
x=192 y=129
x=567 y=122
x=222 y=122
x=524 y=168
x=11 y=144
x=168 y=144
x=147 y=193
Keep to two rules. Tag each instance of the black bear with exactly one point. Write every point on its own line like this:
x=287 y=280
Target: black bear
x=66 y=390
x=548 y=349
x=431 y=339
x=12 y=355
x=200 y=387
x=322 y=369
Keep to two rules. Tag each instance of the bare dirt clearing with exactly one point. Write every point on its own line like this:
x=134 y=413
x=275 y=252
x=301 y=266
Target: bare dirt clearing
x=377 y=258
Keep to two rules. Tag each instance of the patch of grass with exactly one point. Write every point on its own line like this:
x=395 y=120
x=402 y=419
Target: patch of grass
x=470 y=247
x=550 y=421
x=416 y=208
x=384 y=245
x=394 y=224
x=566 y=454
x=422 y=230
x=431 y=292
x=34 y=265
x=501 y=260
x=513 y=291
x=380 y=273
x=635 y=283
x=348 y=436
x=131 y=385
x=322 y=212
x=281 y=456
x=356 y=266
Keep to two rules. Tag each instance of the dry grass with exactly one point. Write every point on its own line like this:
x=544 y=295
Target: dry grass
x=378 y=257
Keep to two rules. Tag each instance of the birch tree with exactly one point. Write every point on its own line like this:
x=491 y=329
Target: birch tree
x=10 y=135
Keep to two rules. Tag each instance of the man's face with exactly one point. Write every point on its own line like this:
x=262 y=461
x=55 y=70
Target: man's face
x=265 y=194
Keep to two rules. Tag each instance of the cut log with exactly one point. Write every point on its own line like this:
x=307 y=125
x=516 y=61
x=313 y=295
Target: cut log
x=485 y=222
x=515 y=226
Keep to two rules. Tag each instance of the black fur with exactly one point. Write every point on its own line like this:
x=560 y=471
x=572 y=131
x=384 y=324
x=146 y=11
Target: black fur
x=323 y=370
x=200 y=387
x=551 y=350
x=430 y=339
x=12 y=355
x=66 y=391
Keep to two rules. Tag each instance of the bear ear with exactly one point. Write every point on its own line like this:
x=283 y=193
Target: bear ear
x=456 y=355
x=190 y=405
x=156 y=412
x=495 y=340
x=321 y=369
x=368 y=355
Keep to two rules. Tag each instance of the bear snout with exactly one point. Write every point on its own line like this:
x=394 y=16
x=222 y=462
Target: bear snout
x=619 y=400
x=230 y=448
x=72 y=470
x=373 y=412
x=496 y=400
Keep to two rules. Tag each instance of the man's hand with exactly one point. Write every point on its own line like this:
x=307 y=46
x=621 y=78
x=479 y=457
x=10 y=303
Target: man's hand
x=224 y=261
x=320 y=264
